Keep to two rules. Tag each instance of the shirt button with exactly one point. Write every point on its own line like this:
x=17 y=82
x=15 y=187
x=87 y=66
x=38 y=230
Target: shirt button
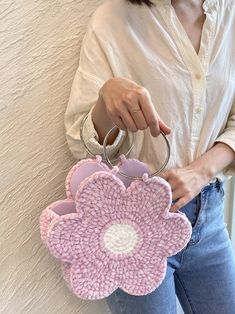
x=198 y=76
x=198 y=110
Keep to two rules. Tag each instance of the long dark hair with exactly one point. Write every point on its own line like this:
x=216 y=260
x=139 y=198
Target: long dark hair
x=141 y=2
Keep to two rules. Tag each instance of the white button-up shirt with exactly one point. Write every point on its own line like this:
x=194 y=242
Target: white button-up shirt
x=194 y=94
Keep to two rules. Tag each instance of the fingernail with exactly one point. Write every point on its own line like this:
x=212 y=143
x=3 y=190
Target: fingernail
x=156 y=133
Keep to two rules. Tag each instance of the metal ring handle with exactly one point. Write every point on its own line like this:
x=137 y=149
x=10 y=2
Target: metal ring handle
x=137 y=177
x=94 y=155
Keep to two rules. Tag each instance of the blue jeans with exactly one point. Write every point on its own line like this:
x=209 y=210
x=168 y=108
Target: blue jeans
x=202 y=275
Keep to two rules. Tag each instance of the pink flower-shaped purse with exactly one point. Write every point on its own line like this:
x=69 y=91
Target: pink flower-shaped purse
x=112 y=232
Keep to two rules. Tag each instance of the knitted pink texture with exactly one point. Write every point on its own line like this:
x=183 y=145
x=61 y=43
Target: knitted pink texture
x=108 y=235
x=80 y=171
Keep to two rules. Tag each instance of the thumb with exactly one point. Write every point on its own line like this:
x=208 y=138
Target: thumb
x=164 y=127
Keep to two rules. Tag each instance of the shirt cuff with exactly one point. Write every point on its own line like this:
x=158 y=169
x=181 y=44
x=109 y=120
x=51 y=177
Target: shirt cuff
x=91 y=138
x=230 y=169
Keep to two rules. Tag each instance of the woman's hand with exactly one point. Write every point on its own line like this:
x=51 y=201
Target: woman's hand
x=122 y=97
x=186 y=183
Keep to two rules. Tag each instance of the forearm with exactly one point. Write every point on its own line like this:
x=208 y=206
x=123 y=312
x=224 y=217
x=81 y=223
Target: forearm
x=214 y=160
x=102 y=123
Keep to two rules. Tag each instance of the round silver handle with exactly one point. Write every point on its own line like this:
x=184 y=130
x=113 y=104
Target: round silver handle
x=136 y=177
x=94 y=155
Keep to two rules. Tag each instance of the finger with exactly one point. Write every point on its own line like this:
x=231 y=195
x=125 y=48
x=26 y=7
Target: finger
x=118 y=122
x=120 y=111
x=171 y=177
x=150 y=114
x=177 y=194
x=167 y=175
x=131 y=103
x=127 y=119
x=179 y=204
x=139 y=118
x=164 y=127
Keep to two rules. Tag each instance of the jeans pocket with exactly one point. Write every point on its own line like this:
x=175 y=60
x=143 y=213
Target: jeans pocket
x=198 y=210
x=192 y=209
x=220 y=189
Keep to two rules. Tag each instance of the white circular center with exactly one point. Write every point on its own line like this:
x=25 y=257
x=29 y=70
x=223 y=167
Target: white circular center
x=120 y=238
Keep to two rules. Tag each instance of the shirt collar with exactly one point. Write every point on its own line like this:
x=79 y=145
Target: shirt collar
x=208 y=5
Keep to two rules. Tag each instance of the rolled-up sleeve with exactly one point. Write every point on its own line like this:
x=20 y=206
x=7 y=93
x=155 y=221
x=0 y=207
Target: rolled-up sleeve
x=228 y=137
x=93 y=71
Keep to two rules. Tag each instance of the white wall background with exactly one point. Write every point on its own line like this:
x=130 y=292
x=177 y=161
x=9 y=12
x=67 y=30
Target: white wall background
x=40 y=42
x=39 y=49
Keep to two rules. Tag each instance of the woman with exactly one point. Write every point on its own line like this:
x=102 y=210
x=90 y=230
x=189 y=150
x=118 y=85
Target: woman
x=147 y=66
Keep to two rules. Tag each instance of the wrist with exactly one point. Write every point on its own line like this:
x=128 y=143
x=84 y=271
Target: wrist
x=102 y=122
x=205 y=170
x=99 y=108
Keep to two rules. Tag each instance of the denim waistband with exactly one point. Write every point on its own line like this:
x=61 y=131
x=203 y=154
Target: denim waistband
x=215 y=183
x=212 y=180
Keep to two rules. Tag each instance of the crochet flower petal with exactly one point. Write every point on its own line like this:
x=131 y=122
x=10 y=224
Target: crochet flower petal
x=177 y=232
x=153 y=196
x=81 y=170
x=92 y=280
x=144 y=277
x=131 y=167
x=44 y=221
x=52 y=212
x=64 y=237
x=103 y=194
x=90 y=246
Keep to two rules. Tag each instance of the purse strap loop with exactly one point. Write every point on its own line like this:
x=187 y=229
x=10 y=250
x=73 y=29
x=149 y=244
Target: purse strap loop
x=136 y=177
x=94 y=155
